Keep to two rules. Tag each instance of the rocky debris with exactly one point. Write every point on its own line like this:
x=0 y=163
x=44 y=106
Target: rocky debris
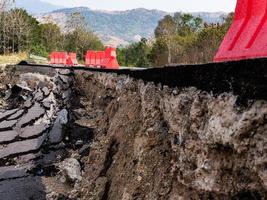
x=28 y=159
x=70 y=168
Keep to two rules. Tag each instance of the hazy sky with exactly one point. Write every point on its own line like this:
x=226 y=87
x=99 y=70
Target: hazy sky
x=167 y=5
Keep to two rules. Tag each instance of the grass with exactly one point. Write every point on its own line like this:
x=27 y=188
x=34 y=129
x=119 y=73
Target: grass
x=12 y=58
x=16 y=58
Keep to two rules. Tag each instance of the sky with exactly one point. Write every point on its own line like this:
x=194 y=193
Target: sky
x=166 y=5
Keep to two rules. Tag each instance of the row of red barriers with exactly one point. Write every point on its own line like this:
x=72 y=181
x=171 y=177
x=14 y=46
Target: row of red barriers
x=247 y=36
x=97 y=59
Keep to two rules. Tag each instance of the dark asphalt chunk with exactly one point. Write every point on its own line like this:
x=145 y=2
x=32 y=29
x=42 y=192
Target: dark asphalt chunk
x=7 y=125
x=22 y=189
x=7 y=136
x=34 y=113
x=31 y=131
x=21 y=147
x=10 y=172
x=16 y=115
x=7 y=113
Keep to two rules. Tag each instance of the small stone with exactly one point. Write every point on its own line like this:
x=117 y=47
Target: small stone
x=174 y=92
x=62 y=179
x=85 y=150
x=71 y=169
x=39 y=96
x=79 y=143
x=46 y=91
x=139 y=178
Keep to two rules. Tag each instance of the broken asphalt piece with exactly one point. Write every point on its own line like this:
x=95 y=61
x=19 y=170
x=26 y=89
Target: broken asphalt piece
x=56 y=134
x=10 y=172
x=16 y=115
x=21 y=147
x=7 y=125
x=33 y=131
x=34 y=113
x=7 y=113
x=22 y=188
x=7 y=136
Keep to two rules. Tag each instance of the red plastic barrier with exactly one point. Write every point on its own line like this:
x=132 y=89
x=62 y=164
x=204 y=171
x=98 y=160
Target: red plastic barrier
x=110 y=61
x=104 y=59
x=63 y=58
x=247 y=36
x=58 y=58
x=72 y=59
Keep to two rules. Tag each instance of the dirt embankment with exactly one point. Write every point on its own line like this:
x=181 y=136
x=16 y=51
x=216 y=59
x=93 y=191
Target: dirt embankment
x=154 y=142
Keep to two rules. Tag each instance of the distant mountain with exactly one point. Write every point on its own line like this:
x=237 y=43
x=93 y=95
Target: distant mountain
x=121 y=27
x=211 y=17
x=36 y=6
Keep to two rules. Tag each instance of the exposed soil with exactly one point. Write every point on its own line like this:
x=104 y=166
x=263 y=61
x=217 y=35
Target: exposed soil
x=161 y=143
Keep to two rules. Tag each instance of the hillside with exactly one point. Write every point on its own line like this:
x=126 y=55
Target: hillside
x=121 y=27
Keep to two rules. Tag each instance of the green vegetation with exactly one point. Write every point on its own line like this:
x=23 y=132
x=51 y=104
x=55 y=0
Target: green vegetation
x=20 y=32
x=181 y=38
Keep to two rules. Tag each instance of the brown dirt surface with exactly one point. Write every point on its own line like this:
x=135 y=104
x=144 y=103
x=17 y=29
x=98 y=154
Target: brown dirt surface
x=154 y=142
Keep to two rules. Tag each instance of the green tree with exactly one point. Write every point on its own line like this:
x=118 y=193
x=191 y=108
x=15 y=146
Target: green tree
x=51 y=37
x=135 y=55
x=79 y=38
x=80 y=41
x=165 y=32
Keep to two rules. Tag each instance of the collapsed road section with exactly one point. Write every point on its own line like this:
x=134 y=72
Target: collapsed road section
x=33 y=113
x=186 y=132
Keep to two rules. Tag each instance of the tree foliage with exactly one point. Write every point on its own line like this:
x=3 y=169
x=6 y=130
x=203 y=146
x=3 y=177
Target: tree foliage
x=136 y=54
x=181 y=38
x=19 y=32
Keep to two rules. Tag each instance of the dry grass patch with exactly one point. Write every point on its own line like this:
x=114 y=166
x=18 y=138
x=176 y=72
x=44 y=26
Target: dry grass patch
x=12 y=58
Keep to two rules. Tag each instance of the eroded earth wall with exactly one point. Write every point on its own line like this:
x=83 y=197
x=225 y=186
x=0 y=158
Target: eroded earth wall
x=156 y=142
x=116 y=136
